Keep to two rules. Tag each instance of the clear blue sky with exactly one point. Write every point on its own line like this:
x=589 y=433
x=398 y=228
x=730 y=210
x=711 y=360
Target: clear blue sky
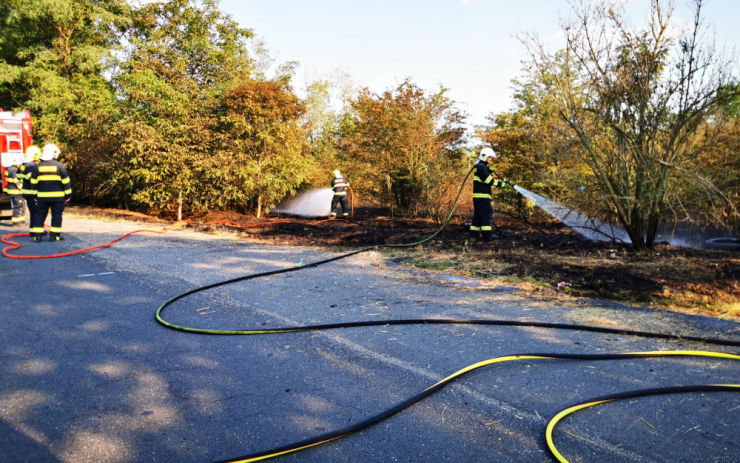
x=467 y=46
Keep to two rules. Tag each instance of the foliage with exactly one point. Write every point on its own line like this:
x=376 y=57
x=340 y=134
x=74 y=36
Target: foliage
x=321 y=124
x=52 y=56
x=263 y=159
x=712 y=199
x=402 y=141
x=634 y=100
x=538 y=151
x=180 y=59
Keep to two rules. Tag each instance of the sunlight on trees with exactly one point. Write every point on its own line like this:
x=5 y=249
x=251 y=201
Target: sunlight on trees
x=634 y=100
x=165 y=107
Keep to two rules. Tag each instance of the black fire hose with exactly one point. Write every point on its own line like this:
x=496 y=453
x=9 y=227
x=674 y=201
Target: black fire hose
x=289 y=448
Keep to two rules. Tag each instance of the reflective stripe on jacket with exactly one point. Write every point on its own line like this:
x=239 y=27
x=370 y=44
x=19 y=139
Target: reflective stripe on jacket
x=338 y=184
x=25 y=173
x=483 y=179
x=50 y=180
x=11 y=176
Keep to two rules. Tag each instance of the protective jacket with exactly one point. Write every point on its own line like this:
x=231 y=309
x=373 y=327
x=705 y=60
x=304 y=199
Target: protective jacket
x=13 y=189
x=50 y=181
x=53 y=188
x=11 y=176
x=483 y=180
x=25 y=173
x=339 y=185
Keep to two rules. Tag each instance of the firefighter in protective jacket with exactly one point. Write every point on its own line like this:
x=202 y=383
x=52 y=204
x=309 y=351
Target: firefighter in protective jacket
x=12 y=162
x=339 y=185
x=483 y=180
x=53 y=191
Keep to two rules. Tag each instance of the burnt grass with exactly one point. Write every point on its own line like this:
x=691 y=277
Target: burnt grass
x=537 y=254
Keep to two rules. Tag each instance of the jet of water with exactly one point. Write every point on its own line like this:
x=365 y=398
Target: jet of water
x=311 y=203
x=585 y=226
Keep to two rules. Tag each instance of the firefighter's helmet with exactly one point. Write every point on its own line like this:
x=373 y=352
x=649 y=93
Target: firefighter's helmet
x=51 y=151
x=487 y=153
x=337 y=174
x=32 y=153
x=7 y=159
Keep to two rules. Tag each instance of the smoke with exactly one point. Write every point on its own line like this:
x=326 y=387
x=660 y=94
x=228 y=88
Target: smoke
x=311 y=203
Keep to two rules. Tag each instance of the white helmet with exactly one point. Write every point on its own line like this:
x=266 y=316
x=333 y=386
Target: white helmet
x=487 y=153
x=17 y=159
x=50 y=151
x=7 y=159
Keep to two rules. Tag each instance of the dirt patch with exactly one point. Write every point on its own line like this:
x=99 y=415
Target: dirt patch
x=537 y=254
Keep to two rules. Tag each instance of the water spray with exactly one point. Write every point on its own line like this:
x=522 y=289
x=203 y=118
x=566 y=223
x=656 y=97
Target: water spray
x=312 y=203
x=585 y=226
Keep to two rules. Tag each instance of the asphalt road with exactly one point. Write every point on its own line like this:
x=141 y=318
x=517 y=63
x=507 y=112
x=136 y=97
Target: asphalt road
x=88 y=375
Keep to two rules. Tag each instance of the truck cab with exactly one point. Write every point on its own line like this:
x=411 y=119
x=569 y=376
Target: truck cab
x=16 y=134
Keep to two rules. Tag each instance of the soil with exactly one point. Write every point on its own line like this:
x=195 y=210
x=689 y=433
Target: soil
x=538 y=254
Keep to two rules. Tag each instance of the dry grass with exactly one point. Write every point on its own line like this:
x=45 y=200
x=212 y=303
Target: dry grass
x=534 y=257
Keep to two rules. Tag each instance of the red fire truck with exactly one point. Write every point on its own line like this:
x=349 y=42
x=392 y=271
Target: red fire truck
x=16 y=134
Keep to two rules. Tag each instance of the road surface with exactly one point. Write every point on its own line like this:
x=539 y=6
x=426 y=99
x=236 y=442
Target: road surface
x=88 y=375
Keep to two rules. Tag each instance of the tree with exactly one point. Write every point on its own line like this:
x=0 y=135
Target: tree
x=403 y=141
x=264 y=158
x=712 y=199
x=52 y=57
x=321 y=126
x=634 y=100
x=537 y=149
x=182 y=56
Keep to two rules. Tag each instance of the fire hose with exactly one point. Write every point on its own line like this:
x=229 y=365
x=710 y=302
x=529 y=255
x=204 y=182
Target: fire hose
x=337 y=434
x=14 y=245
x=334 y=435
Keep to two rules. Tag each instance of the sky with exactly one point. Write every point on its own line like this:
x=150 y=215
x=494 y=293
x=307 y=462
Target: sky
x=467 y=46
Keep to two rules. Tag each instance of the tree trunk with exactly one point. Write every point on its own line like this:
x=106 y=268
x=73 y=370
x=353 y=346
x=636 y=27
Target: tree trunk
x=635 y=230
x=652 y=230
x=179 y=206
x=259 y=205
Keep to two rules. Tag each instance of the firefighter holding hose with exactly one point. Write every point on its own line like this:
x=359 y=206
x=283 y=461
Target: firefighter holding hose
x=339 y=185
x=483 y=179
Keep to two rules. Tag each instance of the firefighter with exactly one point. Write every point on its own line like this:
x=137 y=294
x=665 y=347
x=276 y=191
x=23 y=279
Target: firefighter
x=26 y=171
x=339 y=185
x=483 y=180
x=13 y=187
x=53 y=191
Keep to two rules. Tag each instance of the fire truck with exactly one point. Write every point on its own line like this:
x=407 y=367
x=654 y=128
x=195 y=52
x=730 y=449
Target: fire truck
x=16 y=134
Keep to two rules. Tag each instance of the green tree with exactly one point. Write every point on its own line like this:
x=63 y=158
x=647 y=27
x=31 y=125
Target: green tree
x=634 y=103
x=537 y=149
x=403 y=141
x=52 y=57
x=182 y=56
x=321 y=125
x=264 y=156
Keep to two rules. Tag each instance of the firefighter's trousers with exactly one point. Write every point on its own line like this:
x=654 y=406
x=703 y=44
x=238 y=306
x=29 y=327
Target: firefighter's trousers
x=482 y=218
x=341 y=199
x=31 y=203
x=42 y=209
x=19 y=210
